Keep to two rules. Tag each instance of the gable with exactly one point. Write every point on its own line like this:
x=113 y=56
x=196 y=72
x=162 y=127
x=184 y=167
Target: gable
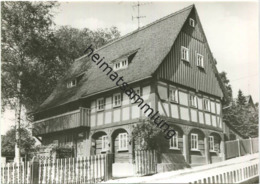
x=186 y=73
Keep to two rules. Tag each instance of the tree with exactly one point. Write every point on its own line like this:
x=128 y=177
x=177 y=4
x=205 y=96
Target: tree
x=27 y=42
x=241 y=117
x=32 y=61
x=30 y=45
x=241 y=99
x=148 y=136
x=226 y=82
x=71 y=42
x=8 y=142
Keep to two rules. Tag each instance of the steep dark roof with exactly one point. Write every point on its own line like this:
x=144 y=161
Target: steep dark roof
x=152 y=43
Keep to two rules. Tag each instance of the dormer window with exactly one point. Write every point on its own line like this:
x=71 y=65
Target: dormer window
x=72 y=83
x=192 y=22
x=200 y=62
x=117 y=66
x=75 y=81
x=122 y=64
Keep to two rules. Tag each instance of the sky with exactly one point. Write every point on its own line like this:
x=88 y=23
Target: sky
x=231 y=29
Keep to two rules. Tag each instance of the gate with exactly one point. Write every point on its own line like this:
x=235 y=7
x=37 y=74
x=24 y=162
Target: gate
x=145 y=162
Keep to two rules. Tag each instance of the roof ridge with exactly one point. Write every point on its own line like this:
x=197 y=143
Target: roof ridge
x=142 y=28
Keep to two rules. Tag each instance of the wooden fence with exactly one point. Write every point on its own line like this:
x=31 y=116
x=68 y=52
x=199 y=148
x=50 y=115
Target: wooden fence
x=238 y=174
x=91 y=169
x=145 y=162
x=16 y=173
x=241 y=147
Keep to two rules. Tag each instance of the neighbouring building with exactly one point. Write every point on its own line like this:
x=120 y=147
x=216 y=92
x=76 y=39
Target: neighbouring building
x=169 y=63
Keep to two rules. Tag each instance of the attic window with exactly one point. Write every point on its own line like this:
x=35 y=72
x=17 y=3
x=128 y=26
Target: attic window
x=200 y=62
x=75 y=81
x=72 y=83
x=192 y=22
x=122 y=64
x=184 y=53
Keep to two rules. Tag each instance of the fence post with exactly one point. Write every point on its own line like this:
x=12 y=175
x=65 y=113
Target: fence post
x=251 y=145
x=34 y=171
x=108 y=166
x=238 y=142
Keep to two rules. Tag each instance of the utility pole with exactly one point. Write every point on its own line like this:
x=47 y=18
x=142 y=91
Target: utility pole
x=138 y=17
x=17 y=158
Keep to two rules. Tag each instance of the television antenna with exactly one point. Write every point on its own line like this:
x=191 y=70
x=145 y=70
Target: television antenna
x=138 y=17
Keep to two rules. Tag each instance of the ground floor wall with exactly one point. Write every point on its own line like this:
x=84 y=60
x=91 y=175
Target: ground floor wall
x=191 y=145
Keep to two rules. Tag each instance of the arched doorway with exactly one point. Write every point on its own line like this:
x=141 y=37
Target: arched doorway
x=197 y=147
x=120 y=146
x=215 y=147
x=99 y=143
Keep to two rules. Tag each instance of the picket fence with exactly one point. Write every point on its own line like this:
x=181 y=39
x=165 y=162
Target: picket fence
x=145 y=162
x=91 y=169
x=241 y=147
x=16 y=173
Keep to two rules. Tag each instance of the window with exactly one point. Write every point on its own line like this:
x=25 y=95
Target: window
x=138 y=92
x=194 y=142
x=211 y=143
x=206 y=104
x=121 y=64
x=174 y=141
x=123 y=141
x=72 y=83
x=173 y=95
x=192 y=22
x=117 y=100
x=184 y=53
x=200 y=62
x=100 y=104
x=193 y=100
x=124 y=63
x=104 y=143
x=117 y=66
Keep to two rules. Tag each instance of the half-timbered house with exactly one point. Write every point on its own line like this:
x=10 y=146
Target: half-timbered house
x=170 y=64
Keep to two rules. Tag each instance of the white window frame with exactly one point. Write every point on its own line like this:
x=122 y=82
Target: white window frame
x=185 y=56
x=99 y=105
x=122 y=64
x=122 y=142
x=193 y=100
x=139 y=93
x=192 y=22
x=206 y=104
x=211 y=143
x=72 y=83
x=117 y=66
x=173 y=95
x=194 y=142
x=104 y=143
x=117 y=100
x=200 y=63
x=173 y=140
